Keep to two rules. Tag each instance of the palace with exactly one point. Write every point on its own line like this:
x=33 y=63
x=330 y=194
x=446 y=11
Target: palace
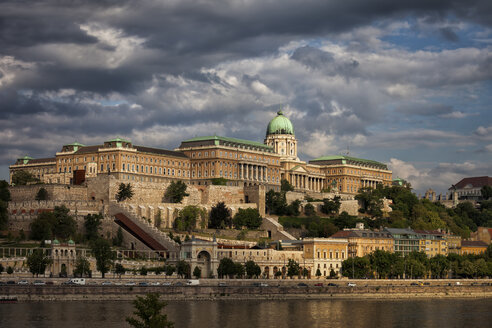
x=198 y=161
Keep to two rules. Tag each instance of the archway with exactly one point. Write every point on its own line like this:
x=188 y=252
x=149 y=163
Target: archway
x=266 y=272
x=203 y=261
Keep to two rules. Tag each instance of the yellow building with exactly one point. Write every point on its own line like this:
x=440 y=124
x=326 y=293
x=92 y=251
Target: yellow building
x=326 y=254
x=200 y=160
x=454 y=244
x=362 y=242
x=473 y=247
x=433 y=242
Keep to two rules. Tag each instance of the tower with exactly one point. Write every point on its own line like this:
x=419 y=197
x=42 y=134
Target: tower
x=280 y=135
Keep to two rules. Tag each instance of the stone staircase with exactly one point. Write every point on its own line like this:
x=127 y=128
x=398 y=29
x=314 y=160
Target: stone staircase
x=148 y=229
x=277 y=230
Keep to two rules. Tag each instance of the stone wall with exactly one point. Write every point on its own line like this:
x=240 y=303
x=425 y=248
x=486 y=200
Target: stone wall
x=256 y=194
x=55 y=192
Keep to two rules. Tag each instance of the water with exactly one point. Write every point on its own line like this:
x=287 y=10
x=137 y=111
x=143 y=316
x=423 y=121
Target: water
x=293 y=313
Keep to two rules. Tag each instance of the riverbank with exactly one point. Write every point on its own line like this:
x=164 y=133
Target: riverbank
x=185 y=293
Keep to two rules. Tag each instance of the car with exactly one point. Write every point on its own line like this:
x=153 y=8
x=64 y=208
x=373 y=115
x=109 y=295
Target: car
x=155 y=283
x=458 y=283
x=179 y=283
x=130 y=283
x=106 y=283
x=70 y=282
x=222 y=284
x=23 y=282
x=263 y=284
x=301 y=284
x=167 y=283
x=414 y=284
x=143 y=284
x=332 y=284
x=351 y=284
x=318 y=284
x=39 y=283
x=10 y=282
x=50 y=283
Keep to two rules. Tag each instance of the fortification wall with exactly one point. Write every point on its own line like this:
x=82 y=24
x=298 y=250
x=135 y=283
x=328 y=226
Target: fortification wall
x=55 y=192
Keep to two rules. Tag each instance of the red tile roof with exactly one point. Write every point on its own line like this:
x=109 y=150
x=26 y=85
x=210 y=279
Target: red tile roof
x=474 y=243
x=475 y=182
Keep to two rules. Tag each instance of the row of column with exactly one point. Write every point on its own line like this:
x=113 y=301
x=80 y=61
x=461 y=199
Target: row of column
x=369 y=183
x=302 y=181
x=253 y=172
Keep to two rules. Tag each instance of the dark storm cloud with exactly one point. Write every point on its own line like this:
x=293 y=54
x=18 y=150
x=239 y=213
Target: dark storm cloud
x=448 y=34
x=425 y=109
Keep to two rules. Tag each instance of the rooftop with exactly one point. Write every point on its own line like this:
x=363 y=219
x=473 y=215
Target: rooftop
x=221 y=140
x=347 y=158
x=473 y=182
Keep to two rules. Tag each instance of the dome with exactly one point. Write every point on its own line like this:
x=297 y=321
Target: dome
x=280 y=125
x=56 y=242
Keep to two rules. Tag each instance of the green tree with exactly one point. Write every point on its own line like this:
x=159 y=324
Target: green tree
x=318 y=273
x=286 y=186
x=119 y=269
x=226 y=268
x=293 y=268
x=118 y=240
x=381 y=262
x=252 y=269
x=183 y=269
x=102 y=252
x=220 y=217
x=82 y=267
x=10 y=270
x=239 y=270
x=4 y=215
x=486 y=192
x=1 y=268
x=176 y=191
x=371 y=201
x=309 y=210
x=42 y=194
x=275 y=202
x=125 y=191
x=92 y=225
x=187 y=218
x=439 y=266
x=22 y=177
x=356 y=267
x=4 y=191
x=42 y=227
x=148 y=312
x=331 y=207
x=170 y=269
x=65 y=225
x=197 y=272
x=249 y=218
x=293 y=208
x=37 y=262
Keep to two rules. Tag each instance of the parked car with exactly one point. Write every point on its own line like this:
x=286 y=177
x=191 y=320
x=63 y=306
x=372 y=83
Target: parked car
x=167 y=283
x=143 y=284
x=332 y=284
x=222 y=284
x=351 y=284
x=301 y=284
x=458 y=283
x=414 y=284
x=23 y=282
x=318 y=284
x=106 y=283
x=130 y=283
x=39 y=283
x=50 y=283
x=155 y=283
x=10 y=282
x=179 y=283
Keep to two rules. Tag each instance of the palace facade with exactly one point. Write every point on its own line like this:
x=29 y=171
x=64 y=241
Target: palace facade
x=198 y=161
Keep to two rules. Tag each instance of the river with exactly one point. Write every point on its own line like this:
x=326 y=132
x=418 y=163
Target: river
x=291 y=313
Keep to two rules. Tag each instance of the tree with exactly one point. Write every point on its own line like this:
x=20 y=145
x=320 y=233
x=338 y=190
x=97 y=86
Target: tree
x=197 y=272
x=42 y=227
x=119 y=269
x=10 y=270
x=118 y=240
x=275 y=202
x=143 y=271
x=219 y=181
x=37 y=262
x=187 y=218
x=286 y=186
x=22 y=177
x=371 y=201
x=318 y=273
x=4 y=191
x=42 y=194
x=356 y=267
x=183 y=269
x=439 y=266
x=220 y=217
x=381 y=262
x=101 y=250
x=125 y=191
x=309 y=210
x=82 y=267
x=239 y=270
x=92 y=225
x=331 y=207
x=148 y=312
x=170 y=269
x=252 y=269
x=4 y=215
x=249 y=218
x=176 y=191
x=305 y=272
x=293 y=208
x=226 y=268
x=333 y=274
x=486 y=192
x=65 y=225
x=293 y=268
x=1 y=268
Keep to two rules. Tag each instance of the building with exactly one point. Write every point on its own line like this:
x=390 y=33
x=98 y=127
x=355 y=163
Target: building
x=326 y=254
x=454 y=244
x=470 y=188
x=362 y=242
x=200 y=160
x=405 y=240
x=433 y=242
x=473 y=247
x=483 y=233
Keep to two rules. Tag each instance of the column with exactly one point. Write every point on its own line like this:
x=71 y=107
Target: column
x=266 y=173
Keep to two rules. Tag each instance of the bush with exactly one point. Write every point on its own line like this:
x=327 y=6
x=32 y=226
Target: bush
x=10 y=270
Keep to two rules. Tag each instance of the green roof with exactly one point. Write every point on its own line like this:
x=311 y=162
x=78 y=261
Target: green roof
x=118 y=139
x=231 y=140
x=56 y=242
x=342 y=157
x=75 y=144
x=280 y=125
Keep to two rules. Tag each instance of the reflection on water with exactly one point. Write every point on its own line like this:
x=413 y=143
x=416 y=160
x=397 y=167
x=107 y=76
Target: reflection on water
x=238 y=314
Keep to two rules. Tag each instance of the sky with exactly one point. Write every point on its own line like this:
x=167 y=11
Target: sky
x=407 y=83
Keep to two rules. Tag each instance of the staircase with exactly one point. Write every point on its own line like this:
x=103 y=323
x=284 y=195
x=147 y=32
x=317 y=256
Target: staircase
x=277 y=230
x=151 y=236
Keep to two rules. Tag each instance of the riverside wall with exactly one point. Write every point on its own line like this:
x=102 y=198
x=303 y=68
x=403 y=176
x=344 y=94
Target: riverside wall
x=241 y=292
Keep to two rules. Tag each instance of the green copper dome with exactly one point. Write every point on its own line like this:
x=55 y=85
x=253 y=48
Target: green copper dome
x=280 y=125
